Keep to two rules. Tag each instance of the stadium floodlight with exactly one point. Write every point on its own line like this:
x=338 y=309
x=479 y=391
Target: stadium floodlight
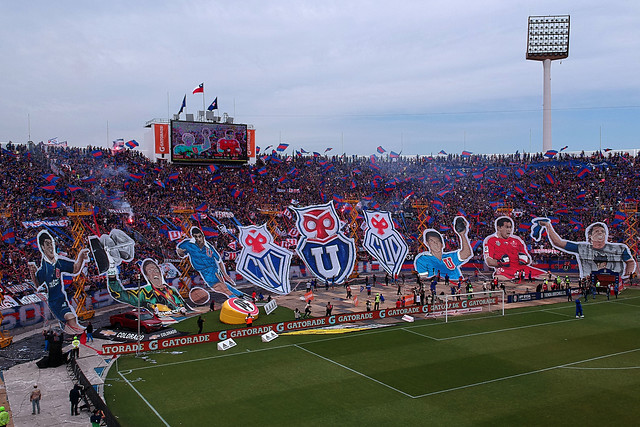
x=547 y=40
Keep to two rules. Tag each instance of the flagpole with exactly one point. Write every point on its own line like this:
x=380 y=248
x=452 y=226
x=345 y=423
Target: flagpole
x=168 y=107
x=203 y=109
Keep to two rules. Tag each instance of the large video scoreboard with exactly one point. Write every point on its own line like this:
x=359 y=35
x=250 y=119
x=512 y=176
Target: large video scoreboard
x=205 y=142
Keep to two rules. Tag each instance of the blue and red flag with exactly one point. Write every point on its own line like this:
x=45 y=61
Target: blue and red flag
x=550 y=153
x=466 y=154
x=132 y=144
x=213 y=168
x=9 y=236
x=550 y=179
x=381 y=150
x=583 y=172
x=97 y=154
x=210 y=232
x=282 y=147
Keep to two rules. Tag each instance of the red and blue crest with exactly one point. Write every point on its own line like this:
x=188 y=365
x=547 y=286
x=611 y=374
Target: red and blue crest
x=384 y=242
x=262 y=262
x=326 y=251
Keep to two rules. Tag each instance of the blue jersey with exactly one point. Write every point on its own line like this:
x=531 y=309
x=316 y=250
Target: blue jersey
x=201 y=258
x=450 y=263
x=51 y=275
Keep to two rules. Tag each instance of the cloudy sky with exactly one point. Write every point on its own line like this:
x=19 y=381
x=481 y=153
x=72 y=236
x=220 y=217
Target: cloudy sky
x=412 y=76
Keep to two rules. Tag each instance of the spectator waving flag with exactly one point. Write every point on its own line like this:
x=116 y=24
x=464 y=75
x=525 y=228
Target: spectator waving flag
x=213 y=168
x=199 y=89
x=466 y=154
x=282 y=147
x=174 y=176
x=550 y=153
x=9 y=236
x=564 y=148
x=328 y=149
x=550 y=179
x=210 y=232
x=51 y=178
x=442 y=152
x=74 y=188
x=381 y=150
x=581 y=195
x=583 y=172
x=132 y=144
x=97 y=154
x=394 y=155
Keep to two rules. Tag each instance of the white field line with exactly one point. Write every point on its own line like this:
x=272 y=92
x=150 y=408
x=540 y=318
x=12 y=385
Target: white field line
x=354 y=371
x=144 y=400
x=537 y=371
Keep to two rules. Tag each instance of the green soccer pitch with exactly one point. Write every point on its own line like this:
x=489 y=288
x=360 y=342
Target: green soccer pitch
x=534 y=365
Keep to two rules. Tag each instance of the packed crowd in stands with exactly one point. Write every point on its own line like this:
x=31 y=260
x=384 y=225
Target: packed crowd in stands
x=126 y=190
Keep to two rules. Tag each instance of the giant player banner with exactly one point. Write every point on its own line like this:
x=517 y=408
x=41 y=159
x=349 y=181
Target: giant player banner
x=206 y=260
x=110 y=251
x=436 y=261
x=595 y=254
x=507 y=254
x=262 y=262
x=384 y=242
x=323 y=246
x=49 y=275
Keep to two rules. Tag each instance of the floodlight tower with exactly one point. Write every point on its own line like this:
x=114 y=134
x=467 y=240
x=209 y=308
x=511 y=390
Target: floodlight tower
x=547 y=40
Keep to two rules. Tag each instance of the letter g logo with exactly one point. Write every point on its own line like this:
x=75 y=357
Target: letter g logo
x=153 y=345
x=222 y=336
x=383 y=314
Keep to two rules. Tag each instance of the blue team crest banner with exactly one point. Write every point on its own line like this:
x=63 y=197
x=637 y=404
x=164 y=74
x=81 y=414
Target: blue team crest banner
x=384 y=242
x=262 y=262
x=324 y=248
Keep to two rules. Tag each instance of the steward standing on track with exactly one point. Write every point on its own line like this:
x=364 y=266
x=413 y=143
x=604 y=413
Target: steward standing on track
x=4 y=417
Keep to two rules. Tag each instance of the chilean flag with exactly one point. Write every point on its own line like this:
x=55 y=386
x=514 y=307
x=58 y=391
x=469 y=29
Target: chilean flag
x=199 y=89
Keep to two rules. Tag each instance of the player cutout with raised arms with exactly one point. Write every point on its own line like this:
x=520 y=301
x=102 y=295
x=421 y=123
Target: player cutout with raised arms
x=435 y=260
x=596 y=253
